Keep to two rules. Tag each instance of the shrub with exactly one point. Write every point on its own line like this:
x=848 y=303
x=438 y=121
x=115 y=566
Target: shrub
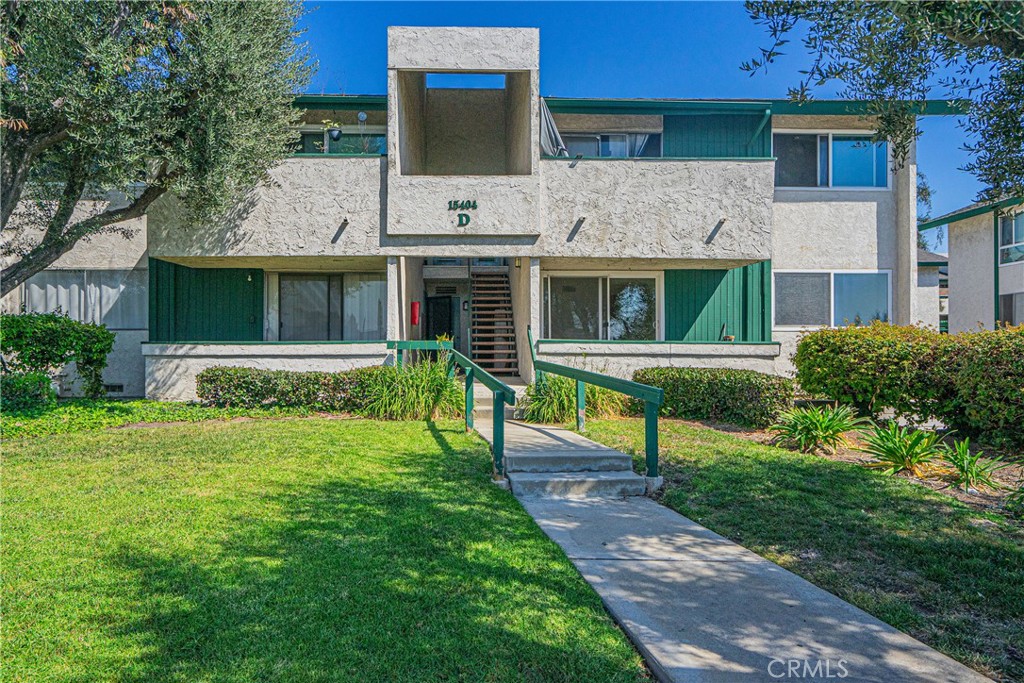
x=25 y=390
x=969 y=472
x=972 y=382
x=870 y=367
x=814 y=428
x=553 y=401
x=742 y=397
x=897 y=449
x=343 y=392
x=418 y=391
x=1014 y=503
x=413 y=392
x=46 y=342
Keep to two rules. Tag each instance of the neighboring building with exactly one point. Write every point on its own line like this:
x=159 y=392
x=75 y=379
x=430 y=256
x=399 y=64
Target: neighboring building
x=933 y=289
x=986 y=264
x=675 y=232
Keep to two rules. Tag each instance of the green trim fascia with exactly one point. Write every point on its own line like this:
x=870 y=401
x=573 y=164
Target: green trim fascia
x=362 y=102
x=863 y=107
x=656 y=341
x=932 y=264
x=572 y=105
x=570 y=159
x=970 y=213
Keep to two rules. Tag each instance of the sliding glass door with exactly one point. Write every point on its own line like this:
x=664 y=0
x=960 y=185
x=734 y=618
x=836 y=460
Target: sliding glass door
x=333 y=307
x=614 y=307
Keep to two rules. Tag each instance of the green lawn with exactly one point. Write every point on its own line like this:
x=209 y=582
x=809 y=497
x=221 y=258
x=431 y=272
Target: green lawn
x=917 y=559
x=296 y=550
x=78 y=415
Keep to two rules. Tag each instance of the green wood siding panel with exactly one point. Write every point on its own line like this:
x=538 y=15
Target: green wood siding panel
x=699 y=302
x=717 y=135
x=204 y=304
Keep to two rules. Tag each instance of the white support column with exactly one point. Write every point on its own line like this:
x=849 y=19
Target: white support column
x=904 y=282
x=396 y=314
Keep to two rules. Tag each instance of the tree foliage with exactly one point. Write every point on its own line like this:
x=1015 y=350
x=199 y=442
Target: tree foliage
x=132 y=100
x=896 y=55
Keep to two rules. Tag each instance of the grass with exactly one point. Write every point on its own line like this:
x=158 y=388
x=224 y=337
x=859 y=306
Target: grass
x=78 y=415
x=290 y=550
x=921 y=561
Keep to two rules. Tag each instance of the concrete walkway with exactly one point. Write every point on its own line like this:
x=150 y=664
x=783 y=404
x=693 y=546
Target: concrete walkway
x=701 y=608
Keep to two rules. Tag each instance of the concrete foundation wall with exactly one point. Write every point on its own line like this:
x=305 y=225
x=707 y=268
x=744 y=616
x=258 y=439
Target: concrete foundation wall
x=171 y=369
x=622 y=360
x=971 y=279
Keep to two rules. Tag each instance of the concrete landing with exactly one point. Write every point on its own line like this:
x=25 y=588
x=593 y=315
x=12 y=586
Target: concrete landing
x=545 y=461
x=701 y=608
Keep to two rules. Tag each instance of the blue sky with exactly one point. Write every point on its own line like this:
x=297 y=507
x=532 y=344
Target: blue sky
x=610 y=49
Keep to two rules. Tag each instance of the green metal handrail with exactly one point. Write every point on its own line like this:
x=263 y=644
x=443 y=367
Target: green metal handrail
x=652 y=397
x=501 y=393
x=538 y=375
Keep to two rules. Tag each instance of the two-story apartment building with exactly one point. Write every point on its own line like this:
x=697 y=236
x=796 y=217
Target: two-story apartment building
x=614 y=234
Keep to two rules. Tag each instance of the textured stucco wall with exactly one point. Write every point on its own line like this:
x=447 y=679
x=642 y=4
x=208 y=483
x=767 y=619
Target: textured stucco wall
x=506 y=205
x=463 y=48
x=651 y=208
x=927 y=292
x=465 y=132
x=309 y=207
x=522 y=286
x=904 y=281
x=971 y=286
x=171 y=369
x=407 y=118
x=519 y=116
x=622 y=360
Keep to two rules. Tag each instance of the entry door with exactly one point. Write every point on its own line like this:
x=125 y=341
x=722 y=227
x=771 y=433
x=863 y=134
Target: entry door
x=439 y=317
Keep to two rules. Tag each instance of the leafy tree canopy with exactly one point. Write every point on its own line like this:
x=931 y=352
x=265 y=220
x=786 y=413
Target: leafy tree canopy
x=898 y=54
x=138 y=98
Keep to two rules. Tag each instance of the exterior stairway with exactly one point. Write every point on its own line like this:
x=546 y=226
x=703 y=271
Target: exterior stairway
x=492 y=334
x=551 y=462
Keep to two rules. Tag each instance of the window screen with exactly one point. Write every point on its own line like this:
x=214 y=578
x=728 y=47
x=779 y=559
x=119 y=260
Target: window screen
x=796 y=160
x=573 y=308
x=803 y=299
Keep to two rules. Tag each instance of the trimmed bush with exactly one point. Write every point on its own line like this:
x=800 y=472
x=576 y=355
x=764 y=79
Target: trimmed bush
x=46 y=342
x=742 y=397
x=25 y=391
x=335 y=392
x=972 y=382
x=420 y=391
x=553 y=401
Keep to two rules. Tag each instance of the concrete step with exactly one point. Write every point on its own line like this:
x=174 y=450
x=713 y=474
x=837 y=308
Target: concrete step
x=568 y=461
x=616 y=484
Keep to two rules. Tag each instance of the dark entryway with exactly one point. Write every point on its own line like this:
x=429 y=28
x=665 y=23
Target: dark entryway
x=440 y=317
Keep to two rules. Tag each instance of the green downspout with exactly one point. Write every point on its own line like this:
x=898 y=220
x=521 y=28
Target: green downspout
x=995 y=270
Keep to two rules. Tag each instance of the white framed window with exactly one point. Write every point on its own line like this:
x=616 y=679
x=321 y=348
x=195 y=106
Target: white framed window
x=830 y=159
x=332 y=306
x=613 y=145
x=351 y=139
x=830 y=298
x=610 y=306
x=118 y=299
x=1011 y=239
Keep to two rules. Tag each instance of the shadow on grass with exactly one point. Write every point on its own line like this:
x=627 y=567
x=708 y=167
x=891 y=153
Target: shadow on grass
x=430 y=575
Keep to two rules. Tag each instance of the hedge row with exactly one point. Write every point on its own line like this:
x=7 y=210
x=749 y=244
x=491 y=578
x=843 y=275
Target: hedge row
x=336 y=392
x=742 y=397
x=25 y=390
x=972 y=382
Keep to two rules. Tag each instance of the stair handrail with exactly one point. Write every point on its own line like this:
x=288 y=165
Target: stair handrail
x=652 y=397
x=538 y=375
x=501 y=393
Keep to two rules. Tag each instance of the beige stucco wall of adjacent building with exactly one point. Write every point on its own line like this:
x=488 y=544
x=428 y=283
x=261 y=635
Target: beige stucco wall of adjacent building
x=927 y=293
x=971 y=279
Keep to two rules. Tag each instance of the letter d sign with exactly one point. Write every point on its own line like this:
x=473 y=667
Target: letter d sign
x=463 y=220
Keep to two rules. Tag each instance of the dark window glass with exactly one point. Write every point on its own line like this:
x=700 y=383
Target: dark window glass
x=796 y=162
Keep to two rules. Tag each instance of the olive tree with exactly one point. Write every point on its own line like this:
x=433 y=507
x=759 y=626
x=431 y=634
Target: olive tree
x=898 y=54
x=134 y=99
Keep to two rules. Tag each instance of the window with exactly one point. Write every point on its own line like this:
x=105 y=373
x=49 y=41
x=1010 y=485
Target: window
x=115 y=298
x=829 y=160
x=613 y=145
x=616 y=307
x=346 y=306
x=1011 y=309
x=1011 y=238
x=815 y=299
x=371 y=140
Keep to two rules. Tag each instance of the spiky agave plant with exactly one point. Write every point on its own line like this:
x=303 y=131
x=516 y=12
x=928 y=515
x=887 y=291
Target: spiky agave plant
x=812 y=429
x=969 y=470
x=896 y=449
